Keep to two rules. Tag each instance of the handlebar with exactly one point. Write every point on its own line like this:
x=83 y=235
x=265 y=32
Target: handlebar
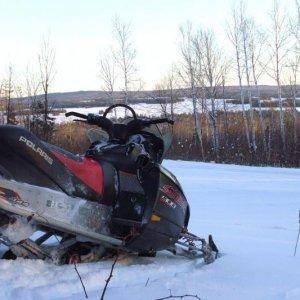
x=112 y=129
x=75 y=114
x=158 y=121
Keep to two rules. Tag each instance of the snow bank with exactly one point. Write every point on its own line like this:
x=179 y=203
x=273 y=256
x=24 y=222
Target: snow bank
x=253 y=215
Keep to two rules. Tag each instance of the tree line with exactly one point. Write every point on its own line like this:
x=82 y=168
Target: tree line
x=257 y=53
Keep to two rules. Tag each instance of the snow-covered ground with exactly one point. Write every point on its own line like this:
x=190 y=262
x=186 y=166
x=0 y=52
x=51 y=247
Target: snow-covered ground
x=252 y=213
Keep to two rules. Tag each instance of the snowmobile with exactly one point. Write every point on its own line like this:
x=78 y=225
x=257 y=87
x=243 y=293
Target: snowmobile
x=117 y=196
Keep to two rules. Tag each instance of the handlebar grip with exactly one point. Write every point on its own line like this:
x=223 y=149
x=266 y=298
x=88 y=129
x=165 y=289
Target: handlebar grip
x=160 y=121
x=75 y=114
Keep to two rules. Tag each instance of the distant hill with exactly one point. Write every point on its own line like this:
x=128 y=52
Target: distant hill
x=100 y=98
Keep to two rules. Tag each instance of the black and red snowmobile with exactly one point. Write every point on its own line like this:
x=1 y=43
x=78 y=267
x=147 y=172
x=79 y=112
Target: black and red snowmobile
x=115 y=197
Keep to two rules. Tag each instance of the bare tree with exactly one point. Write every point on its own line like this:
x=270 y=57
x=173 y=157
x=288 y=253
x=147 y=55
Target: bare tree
x=108 y=76
x=19 y=105
x=293 y=77
x=201 y=90
x=279 y=36
x=294 y=67
x=226 y=127
x=211 y=71
x=34 y=102
x=125 y=55
x=2 y=103
x=235 y=36
x=172 y=82
x=167 y=90
x=188 y=75
x=256 y=43
x=8 y=95
x=46 y=59
x=245 y=34
x=160 y=96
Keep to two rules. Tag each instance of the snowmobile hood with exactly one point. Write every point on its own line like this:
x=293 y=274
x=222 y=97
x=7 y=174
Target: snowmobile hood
x=170 y=175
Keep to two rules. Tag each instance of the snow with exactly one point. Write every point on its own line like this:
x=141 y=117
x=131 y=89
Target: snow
x=155 y=110
x=151 y=110
x=20 y=230
x=252 y=213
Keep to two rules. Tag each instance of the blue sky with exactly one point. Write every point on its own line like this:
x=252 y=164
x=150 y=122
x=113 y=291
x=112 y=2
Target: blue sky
x=79 y=30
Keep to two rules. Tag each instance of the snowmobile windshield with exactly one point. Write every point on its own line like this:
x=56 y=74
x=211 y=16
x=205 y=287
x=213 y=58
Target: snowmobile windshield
x=163 y=132
x=97 y=135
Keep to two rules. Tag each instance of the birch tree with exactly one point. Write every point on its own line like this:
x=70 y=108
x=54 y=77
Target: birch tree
x=2 y=102
x=294 y=67
x=293 y=77
x=188 y=75
x=235 y=36
x=245 y=34
x=34 y=104
x=209 y=57
x=171 y=81
x=125 y=55
x=257 y=40
x=108 y=77
x=279 y=36
x=8 y=95
x=167 y=87
x=46 y=59
x=224 y=76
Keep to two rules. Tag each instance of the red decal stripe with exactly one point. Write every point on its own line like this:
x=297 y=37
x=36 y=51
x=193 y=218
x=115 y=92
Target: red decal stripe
x=87 y=169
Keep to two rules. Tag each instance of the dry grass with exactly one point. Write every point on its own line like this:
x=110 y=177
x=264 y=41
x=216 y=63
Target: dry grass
x=233 y=143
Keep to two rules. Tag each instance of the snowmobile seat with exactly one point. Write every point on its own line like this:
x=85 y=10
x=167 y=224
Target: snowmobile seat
x=66 y=153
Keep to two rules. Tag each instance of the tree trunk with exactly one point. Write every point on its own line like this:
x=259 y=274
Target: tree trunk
x=246 y=126
x=197 y=128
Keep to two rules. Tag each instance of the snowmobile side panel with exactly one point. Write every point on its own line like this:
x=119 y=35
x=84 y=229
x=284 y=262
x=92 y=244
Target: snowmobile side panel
x=57 y=210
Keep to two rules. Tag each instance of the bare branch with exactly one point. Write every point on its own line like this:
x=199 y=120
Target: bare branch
x=82 y=284
x=109 y=277
x=171 y=296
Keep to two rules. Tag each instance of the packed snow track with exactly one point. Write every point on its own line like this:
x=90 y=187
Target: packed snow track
x=252 y=213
